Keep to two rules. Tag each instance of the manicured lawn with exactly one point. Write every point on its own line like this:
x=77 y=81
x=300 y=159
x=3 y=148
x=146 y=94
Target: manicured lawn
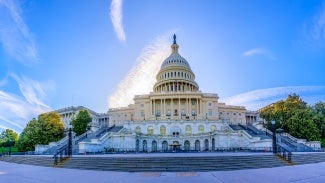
x=6 y=149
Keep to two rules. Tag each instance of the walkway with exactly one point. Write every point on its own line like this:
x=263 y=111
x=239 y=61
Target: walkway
x=13 y=173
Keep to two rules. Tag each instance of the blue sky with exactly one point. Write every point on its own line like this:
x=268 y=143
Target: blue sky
x=100 y=53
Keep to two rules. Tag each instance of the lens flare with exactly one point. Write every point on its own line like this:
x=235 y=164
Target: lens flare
x=142 y=76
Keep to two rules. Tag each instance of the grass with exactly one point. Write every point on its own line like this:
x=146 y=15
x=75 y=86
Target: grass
x=6 y=149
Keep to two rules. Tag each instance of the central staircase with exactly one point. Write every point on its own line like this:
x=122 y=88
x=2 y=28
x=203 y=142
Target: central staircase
x=173 y=164
x=198 y=162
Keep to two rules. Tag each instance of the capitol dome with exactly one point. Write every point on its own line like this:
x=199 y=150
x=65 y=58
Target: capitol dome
x=175 y=59
x=175 y=74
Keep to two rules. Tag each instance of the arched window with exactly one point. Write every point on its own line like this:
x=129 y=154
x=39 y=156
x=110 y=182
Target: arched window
x=144 y=145
x=150 y=130
x=187 y=145
x=162 y=130
x=201 y=129
x=213 y=128
x=197 y=145
x=188 y=130
x=171 y=74
x=137 y=145
x=154 y=146
x=138 y=129
x=206 y=145
x=168 y=113
x=164 y=145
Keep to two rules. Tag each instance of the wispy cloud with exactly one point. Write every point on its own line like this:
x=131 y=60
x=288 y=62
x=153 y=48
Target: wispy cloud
x=4 y=81
x=259 y=51
x=17 y=110
x=257 y=99
x=116 y=17
x=15 y=36
x=318 y=25
x=141 y=77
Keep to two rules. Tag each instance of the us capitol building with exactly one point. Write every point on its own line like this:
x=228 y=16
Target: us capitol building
x=176 y=116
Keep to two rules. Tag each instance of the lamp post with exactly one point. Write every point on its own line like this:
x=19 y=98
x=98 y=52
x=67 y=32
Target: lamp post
x=274 y=137
x=10 y=142
x=70 y=141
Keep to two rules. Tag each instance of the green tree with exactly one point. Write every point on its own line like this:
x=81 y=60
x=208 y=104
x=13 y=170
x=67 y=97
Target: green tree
x=8 y=138
x=81 y=122
x=301 y=125
x=52 y=127
x=319 y=117
x=30 y=136
x=295 y=117
x=282 y=111
x=47 y=128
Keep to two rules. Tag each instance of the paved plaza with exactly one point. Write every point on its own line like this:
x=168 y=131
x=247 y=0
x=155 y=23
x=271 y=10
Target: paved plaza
x=20 y=173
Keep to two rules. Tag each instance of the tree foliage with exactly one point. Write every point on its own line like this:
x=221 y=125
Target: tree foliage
x=301 y=125
x=296 y=117
x=47 y=128
x=319 y=117
x=8 y=138
x=81 y=122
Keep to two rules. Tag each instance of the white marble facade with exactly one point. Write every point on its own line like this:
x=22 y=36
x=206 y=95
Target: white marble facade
x=176 y=115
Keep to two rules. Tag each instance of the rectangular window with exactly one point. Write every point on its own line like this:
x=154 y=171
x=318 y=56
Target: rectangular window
x=210 y=112
x=142 y=113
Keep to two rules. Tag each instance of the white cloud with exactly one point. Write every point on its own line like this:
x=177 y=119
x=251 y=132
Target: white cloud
x=259 y=51
x=16 y=110
x=33 y=91
x=15 y=36
x=318 y=25
x=142 y=76
x=257 y=99
x=116 y=17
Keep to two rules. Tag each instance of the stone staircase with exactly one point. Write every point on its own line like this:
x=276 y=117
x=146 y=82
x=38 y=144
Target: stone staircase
x=29 y=159
x=102 y=132
x=162 y=163
x=307 y=158
x=173 y=164
x=254 y=132
x=85 y=137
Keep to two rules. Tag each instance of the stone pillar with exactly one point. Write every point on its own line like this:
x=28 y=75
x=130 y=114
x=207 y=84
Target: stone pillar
x=171 y=109
x=200 y=107
x=164 y=108
x=186 y=106
x=197 y=107
x=161 y=106
x=190 y=107
x=154 y=108
x=179 y=107
x=150 y=107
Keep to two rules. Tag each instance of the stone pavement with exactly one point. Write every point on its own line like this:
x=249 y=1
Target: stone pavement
x=19 y=173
